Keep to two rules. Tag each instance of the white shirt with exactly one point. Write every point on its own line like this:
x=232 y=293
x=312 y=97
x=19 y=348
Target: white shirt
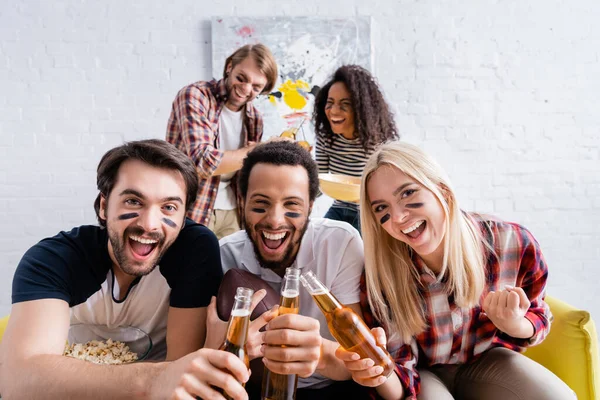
x=333 y=250
x=146 y=308
x=230 y=138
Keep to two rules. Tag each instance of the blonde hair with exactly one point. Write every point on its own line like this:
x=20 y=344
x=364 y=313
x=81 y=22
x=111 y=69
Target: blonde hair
x=264 y=60
x=392 y=279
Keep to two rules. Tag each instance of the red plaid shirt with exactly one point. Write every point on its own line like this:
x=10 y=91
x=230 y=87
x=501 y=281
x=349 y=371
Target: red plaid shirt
x=457 y=336
x=194 y=129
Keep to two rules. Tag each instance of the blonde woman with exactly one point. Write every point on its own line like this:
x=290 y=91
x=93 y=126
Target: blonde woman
x=458 y=294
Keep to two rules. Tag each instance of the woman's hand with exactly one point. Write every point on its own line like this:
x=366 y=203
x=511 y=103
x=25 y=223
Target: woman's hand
x=506 y=309
x=364 y=371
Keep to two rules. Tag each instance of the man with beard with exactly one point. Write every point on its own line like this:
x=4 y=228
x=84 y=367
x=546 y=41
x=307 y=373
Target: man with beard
x=215 y=124
x=145 y=266
x=279 y=183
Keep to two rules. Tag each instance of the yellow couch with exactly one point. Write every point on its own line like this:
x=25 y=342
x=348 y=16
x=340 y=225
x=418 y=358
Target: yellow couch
x=571 y=349
x=3 y=322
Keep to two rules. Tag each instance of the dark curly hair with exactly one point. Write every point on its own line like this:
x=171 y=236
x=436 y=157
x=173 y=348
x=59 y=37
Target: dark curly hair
x=280 y=153
x=154 y=152
x=373 y=120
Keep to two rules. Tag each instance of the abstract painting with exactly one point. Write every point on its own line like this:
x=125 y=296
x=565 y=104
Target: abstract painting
x=307 y=50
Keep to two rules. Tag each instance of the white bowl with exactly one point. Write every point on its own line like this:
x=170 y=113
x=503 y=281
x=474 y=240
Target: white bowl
x=341 y=187
x=138 y=341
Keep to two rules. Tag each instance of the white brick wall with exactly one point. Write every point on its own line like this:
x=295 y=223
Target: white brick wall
x=504 y=93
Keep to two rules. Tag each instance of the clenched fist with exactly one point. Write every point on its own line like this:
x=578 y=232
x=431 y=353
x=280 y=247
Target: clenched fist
x=506 y=309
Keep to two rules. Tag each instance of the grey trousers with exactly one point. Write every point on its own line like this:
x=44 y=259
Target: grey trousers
x=499 y=374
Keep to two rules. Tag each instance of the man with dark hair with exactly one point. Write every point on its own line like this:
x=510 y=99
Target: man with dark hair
x=146 y=266
x=215 y=124
x=279 y=184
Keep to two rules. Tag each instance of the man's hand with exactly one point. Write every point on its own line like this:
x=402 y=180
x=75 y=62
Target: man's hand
x=302 y=340
x=506 y=309
x=200 y=374
x=364 y=371
x=255 y=339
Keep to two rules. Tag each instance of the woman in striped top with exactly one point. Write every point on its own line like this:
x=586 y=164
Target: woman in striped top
x=351 y=119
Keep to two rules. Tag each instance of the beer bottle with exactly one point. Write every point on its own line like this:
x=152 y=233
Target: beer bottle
x=345 y=326
x=237 y=330
x=277 y=386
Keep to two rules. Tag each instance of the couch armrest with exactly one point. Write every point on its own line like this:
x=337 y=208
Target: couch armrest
x=3 y=323
x=571 y=349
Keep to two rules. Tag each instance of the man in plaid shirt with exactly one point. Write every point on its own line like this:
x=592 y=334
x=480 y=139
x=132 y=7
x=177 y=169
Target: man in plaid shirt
x=215 y=124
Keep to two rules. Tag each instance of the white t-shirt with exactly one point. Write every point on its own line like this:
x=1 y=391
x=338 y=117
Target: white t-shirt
x=230 y=138
x=145 y=306
x=333 y=250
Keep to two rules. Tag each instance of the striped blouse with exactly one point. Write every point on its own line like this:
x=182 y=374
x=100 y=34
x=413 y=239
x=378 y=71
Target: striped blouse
x=342 y=156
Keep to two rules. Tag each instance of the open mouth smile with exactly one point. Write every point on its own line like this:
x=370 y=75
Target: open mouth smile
x=142 y=248
x=273 y=243
x=415 y=230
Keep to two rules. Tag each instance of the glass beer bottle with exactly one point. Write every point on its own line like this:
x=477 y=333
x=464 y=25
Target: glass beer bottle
x=345 y=326
x=277 y=386
x=237 y=330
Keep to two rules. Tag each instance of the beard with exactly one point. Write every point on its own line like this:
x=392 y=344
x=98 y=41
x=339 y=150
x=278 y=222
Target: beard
x=133 y=267
x=277 y=266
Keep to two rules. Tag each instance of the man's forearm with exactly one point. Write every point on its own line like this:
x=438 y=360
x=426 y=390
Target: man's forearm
x=62 y=378
x=232 y=160
x=331 y=366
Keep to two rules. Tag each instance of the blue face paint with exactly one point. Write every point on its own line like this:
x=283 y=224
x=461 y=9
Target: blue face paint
x=128 y=216
x=414 y=205
x=293 y=215
x=385 y=219
x=259 y=210
x=169 y=222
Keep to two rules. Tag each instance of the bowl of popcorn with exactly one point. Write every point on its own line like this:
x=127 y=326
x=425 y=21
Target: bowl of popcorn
x=340 y=187
x=102 y=345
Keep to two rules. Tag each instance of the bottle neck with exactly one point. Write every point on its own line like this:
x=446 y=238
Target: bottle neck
x=239 y=320
x=289 y=302
x=320 y=293
x=326 y=301
x=290 y=286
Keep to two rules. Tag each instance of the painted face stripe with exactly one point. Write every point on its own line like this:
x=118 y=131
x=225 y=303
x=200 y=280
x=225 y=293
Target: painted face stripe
x=169 y=222
x=385 y=219
x=128 y=216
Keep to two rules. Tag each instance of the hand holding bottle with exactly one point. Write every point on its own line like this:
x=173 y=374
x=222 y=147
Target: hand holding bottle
x=302 y=340
x=203 y=373
x=291 y=135
x=347 y=327
x=364 y=371
x=278 y=386
x=254 y=343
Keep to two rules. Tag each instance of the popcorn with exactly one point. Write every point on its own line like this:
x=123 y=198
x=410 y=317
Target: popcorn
x=101 y=352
